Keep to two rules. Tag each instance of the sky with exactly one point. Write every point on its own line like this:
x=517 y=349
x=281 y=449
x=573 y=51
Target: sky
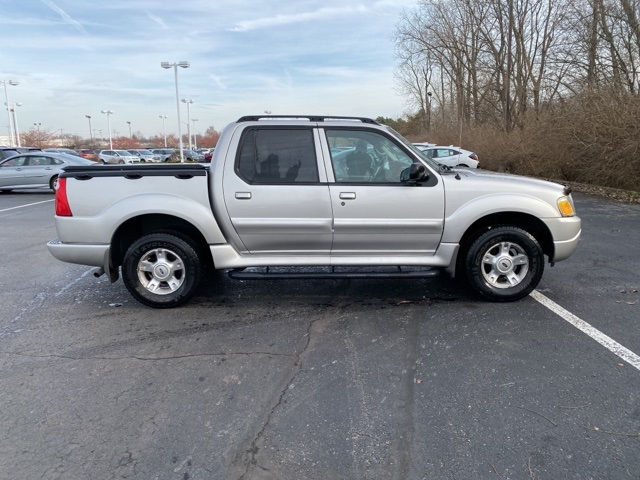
x=74 y=58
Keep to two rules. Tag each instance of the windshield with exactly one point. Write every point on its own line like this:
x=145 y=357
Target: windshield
x=432 y=163
x=124 y=153
x=145 y=152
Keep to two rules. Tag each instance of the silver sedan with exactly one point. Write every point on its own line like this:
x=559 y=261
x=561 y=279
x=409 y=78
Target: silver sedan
x=36 y=169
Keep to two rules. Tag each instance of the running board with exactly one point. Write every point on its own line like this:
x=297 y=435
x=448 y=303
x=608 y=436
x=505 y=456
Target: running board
x=292 y=275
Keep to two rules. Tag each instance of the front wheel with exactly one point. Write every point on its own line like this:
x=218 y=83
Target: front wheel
x=504 y=263
x=162 y=270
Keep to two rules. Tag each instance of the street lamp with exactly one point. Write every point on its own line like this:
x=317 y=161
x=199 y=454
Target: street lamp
x=15 y=121
x=109 y=113
x=164 y=131
x=175 y=65
x=188 y=101
x=195 y=135
x=90 y=131
x=129 y=123
x=6 y=102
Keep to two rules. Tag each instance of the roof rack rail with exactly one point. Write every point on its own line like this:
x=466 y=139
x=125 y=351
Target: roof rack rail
x=311 y=118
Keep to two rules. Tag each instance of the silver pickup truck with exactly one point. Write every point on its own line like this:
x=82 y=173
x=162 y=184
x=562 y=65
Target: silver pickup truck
x=325 y=197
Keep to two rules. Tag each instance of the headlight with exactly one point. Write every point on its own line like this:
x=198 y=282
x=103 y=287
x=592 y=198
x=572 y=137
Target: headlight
x=565 y=205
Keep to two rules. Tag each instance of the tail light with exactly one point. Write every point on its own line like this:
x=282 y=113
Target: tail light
x=62 y=203
x=474 y=156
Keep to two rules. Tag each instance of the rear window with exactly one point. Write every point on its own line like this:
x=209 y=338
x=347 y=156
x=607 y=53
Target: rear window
x=277 y=156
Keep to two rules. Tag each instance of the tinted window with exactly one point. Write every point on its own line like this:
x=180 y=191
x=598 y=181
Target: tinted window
x=277 y=156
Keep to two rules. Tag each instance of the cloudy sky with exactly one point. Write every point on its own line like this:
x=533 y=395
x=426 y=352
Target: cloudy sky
x=77 y=57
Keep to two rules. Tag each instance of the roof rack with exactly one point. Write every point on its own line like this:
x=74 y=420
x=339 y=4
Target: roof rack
x=311 y=118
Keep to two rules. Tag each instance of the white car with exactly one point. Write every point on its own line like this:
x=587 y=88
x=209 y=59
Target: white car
x=118 y=156
x=451 y=156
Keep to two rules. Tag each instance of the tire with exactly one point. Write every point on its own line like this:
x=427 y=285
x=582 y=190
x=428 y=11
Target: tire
x=162 y=270
x=504 y=264
x=53 y=183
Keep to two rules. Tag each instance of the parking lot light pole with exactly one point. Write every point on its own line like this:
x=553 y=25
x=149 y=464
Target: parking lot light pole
x=175 y=65
x=6 y=102
x=129 y=123
x=195 y=135
x=164 y=131
x=188 y=101
x=109 y=113
x=15 y=122
x=90 y=131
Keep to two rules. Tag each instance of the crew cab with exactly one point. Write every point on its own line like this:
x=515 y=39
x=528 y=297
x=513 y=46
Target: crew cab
x=339 y=196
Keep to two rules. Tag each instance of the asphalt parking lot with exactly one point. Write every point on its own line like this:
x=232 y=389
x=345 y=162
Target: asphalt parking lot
x=349 y=379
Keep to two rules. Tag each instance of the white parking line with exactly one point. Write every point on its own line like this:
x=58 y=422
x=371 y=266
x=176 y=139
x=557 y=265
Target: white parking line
x=604 y=340
x=27 y=205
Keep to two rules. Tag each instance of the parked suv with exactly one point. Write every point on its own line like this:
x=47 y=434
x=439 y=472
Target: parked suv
x=118 y=156
x=145 y=155
x=6 y=152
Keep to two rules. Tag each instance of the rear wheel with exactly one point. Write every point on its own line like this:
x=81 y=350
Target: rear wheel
x=162 y=270
x=504 y=263
x=53 y=183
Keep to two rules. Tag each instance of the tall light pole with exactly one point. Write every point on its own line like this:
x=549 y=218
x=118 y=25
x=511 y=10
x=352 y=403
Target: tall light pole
x=188 y=101
x=6 y=102
x=175 y=65
x=164 y=131
x=129 y=123
x=90 y=131
x=15 y=122
x=109 y=113
x=195 y=135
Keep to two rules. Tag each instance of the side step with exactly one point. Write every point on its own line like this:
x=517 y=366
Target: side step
x=269 y=274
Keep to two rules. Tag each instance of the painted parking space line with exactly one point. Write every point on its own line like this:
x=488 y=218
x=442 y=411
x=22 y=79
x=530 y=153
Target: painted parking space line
x=26 y=205
x=604 y=340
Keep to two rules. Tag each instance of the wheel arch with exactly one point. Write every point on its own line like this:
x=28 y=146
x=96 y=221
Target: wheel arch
x=525 y=221
x=134 y=228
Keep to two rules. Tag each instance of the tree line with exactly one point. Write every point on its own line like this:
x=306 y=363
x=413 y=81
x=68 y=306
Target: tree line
x=43 y=138
x=522 y=69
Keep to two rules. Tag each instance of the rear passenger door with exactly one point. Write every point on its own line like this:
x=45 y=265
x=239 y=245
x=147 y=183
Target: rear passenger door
x=39 y=169
x=276 y=194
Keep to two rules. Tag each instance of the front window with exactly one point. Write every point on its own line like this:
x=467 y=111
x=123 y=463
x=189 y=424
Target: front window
x=361 y=156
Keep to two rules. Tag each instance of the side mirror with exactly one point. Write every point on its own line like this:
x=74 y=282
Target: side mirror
x=417 y=171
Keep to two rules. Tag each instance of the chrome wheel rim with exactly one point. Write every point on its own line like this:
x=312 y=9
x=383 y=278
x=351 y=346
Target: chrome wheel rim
x=161 y=271
x=505 y=265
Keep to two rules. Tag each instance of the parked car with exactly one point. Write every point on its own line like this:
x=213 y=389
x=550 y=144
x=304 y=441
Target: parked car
x=67 y=151
x=145 y=155
x=35 y=169
x=89 y=154
x=118 y=156
x=165 y=153
x=192 y=155
x=6 y=152
x=451 y=156
x=423 y=145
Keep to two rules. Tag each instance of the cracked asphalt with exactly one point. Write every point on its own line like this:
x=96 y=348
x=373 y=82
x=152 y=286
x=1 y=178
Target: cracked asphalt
x=349 y=379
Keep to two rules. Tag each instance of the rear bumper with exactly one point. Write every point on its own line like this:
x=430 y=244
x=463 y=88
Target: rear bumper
x=93 y=255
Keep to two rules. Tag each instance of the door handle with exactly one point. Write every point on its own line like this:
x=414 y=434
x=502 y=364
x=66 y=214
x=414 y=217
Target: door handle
x=243 y=195
x=347 y=196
